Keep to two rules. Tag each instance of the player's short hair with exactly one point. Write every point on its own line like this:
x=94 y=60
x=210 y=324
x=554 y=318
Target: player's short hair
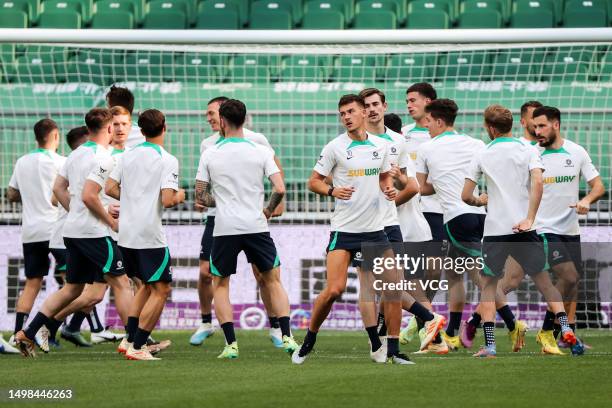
x=151 y=122
x=120 y=110
x=393 y=122
x=118 y=96
x=97 y=118
x=372 y=91
x=42 y=128
x=234 y=112
x=499 y=118
x=550 y=112
x=350 y=98
x=529 y=104
x=425 y=89
x=445 y=109
x=74 y=136
x=218 y=99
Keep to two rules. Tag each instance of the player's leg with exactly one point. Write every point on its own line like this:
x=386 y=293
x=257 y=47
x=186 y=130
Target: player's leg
x=140 y=299
x=79 y=308
x=276 y=335
x=60 y=255
x=205 y=286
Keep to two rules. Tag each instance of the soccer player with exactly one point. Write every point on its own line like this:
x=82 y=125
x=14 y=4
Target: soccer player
x=119 y=96
x=234 y=169
x=145 y=180
x=529 y=133
x=360 y=167
x=393 y=122
x=32 y=185
x=91 y=252
x=513 y=175
x=205 y=289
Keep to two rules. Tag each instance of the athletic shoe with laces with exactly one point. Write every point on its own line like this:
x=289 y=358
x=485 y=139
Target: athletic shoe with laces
x=141 y=355
x=578 y=348
x=296 y=358
x=75 y=338
x=42 y=339
x=230 y=351
x=380 y=355
x=453 y=343
x=124 y=346
x=159 y=346
x=547 y=340
x=289 y=344
x=407 y=334
x=432 y=328
x=105 y=336
x=569 y=336
x=202 y=333
x=517 y=336
x=400 y=359
x=6 y=347
x=25 y=345
x=435 y=348
x=486 y=352
x=467 y=333
x=276 y=337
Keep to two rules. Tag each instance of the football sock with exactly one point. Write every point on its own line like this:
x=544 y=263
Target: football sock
x=392 y=346
x=228 y=332
x=382 y=331
x=573 y=326
x=420 y=323
x=76 y=321
x=437 y=339
x=421 y=311
x=373 y=335
x=274 y=322
x=556 y=330
x=489 y=331
x=20 y=319
x=475 y=319
x=549 y=321
x=309 y=342
x=207 y=318
x=285 y=325
x=132 y=326
x=140 y=338
x=508 y=316
x=562 y=317
x=53 y=326
x=37 y=322
x=453 y=323
x=94 y=321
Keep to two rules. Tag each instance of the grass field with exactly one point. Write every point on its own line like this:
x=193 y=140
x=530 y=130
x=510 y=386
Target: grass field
x=339 y=373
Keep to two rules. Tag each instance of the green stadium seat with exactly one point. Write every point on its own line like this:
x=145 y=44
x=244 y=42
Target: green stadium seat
x=252 y=68
x=113 y=20
x=30 y=7
x=13 y=18
x=539 y=6
x=431 y=6
x=519 y=65
x=585 y=13
x=33 y=68
x=306 y=68
x=346 y=6
x=482 y=18
x=188 y=7
x=532 y=19
x=356 y=68
x=606 y=67
x=145 y=66
x=83 y=7
x=90 y=66
x=498 y=5
x=219 y=19
x=166 y=15
x=192 y=67
x=425 y=19
x=411 y=67
x=378 y=5
x=242 y=6
x=291 y=6
x=270 y=19
x=323 y=20
x=136 y=7
x=8 y=8
x=59 y=19
x=570 y=65
x=375 y=19
x=7 y=53
x=464 y=66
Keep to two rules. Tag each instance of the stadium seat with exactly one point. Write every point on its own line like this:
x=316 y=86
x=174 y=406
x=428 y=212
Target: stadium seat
x=136 y=7
x=270 y=19
x=8 y=7
x=464 y=66
x=292 y=6
x=166 y=15
x=585 y=13
x=378 y=5
x=113 y=20
x=92 y=66
x=482 y=18
x=192 y=67
x=424 y=19
x=145 y=66
x=323 y=20
x=222 y=15
x=416 y=67
x=532 y=19
x=606 y=68
x=357 y=68
x=83 y=7
x=251 y=68
x=30 y=7
x=59 y=19
x=498 y=5
x=570 y=65
x=540 y=6
x=35 y=68
x=306 y=68
x=375 y=19
x=242 y=6
x=187 y=6
x=518 y=65
x=432 y=6
x=343 y=6
x=13 y=18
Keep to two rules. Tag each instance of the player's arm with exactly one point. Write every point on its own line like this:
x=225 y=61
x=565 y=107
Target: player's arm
x=281 y=207
x=426 y=188
x=203 y=194
x=318 y=185
x=468 y=197
x=13 y=195
x=597 y=191
x=409 y=188
x=60 y=190
x=91 y=199
x=386 y=185
x=278 y=192
x=171 y=198
x=536 y=190
x=112 y=188
x=171 y=194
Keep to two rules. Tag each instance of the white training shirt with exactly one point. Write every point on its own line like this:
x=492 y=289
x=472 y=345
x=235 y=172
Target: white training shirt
x=506 y=163
x=34 y=176
x=135 y=137
x=564 y=166
x=416 y=136
x=80 y=222
x=142 y=172
x=446 y=160
x=235 y=168
x=398 y=155
x=210 y=141
x=412 y=221
x=357 y=164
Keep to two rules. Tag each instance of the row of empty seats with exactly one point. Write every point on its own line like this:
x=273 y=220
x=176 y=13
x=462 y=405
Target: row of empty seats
x=100 y=67
x=307 y=14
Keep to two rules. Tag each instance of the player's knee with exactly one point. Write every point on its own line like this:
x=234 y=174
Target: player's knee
x=163 y=290
x=95 y=299
x=205 y=277
x=335 y=292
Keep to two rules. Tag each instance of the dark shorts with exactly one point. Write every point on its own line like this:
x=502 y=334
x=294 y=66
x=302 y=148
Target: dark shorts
x=526 y=248
x=207 y=239
x=36 y=259
x=258 y=247
x=150 y=265
x=465 y=235
x=394 y=233
x=438 y=233
x=60 y=256
x=89 y=260
x=354 y=241
x=562 y=248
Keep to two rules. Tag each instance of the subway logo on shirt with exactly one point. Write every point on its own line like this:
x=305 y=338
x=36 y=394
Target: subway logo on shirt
x=558 y=179
x=363 y=172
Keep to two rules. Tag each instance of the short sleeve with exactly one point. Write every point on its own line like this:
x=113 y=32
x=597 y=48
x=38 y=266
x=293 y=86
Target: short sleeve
x=202 y=173
x=117 y=170
x=270 y=166
x=262 y=141
x=535 y=160
x=170 y=173
x=326 y=162
x=587 y=169
x=100 y=173
x=404 y=159
x=421 y=161
x=475 y=170
x=13 y=181
x=386 y=162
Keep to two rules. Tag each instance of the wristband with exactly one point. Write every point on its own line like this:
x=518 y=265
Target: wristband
x=330 y=191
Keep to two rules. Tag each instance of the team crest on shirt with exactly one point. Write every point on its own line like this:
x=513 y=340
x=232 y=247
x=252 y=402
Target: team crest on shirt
x=119 y=264
x=568 y=163
x=358 y=256
x=102 y=170
x=375 y=155
x=175 y=176
x=349 y=154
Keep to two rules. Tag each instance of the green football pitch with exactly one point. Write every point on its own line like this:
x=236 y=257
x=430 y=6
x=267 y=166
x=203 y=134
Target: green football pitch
x=338 y=373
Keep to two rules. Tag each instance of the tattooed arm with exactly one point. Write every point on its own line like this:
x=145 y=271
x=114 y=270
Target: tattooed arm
x=203 y=195
x=277 y=194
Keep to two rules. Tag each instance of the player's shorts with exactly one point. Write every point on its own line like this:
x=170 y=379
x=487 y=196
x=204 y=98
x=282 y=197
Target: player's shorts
x=89 y=260
x=150 y=265
x=526 y=248
x=562 y=248
x=353 y=241
x=438 y=233
x=394 y=233
x=465 y=235
x=207 y=239
x=258 y=247
x=60 y=255
x=36 y=259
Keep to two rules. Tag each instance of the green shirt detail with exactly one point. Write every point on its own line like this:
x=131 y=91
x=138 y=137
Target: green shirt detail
x=560 y=150
x=356 y=143
x=504 y=139
x=235 y=140
x=151 y=145
x=41 y=150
